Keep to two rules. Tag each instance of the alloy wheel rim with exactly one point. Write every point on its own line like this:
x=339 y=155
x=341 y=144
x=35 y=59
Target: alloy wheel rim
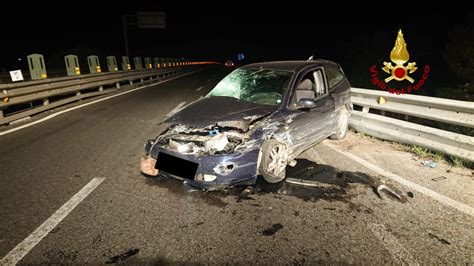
x=278 y=159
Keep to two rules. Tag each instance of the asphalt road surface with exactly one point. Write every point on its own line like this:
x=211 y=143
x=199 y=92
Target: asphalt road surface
x=71 y=192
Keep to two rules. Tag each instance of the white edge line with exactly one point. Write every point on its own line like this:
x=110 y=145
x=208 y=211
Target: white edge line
x=428 y=192
x=391 y=244
x=198 y=89
x=16 y=254
x=86 y=104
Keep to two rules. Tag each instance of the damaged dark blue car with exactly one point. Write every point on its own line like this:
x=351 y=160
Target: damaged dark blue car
x=254 y=122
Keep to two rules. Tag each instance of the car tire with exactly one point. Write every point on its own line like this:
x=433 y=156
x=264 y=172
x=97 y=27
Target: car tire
x=273 y=161
x=343 y=126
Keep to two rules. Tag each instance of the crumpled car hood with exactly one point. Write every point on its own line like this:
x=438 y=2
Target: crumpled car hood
x=211 y=110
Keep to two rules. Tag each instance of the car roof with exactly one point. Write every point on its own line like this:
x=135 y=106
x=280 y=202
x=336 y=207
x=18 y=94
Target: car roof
x=294 y=65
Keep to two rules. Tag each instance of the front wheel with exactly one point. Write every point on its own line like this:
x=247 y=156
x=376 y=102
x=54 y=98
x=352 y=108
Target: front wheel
x=343 y=125
x=273 y=161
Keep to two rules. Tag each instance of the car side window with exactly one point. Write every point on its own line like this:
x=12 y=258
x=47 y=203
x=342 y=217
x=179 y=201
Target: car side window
x=320 y=88
x=311 y=85
x=334 y=76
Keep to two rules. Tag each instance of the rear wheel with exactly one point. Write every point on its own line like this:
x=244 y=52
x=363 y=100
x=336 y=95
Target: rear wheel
x=273 y=161
x=343 y=125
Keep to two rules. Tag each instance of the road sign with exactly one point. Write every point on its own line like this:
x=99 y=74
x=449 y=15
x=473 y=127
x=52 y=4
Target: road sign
x=16 y=75
x=151 y=20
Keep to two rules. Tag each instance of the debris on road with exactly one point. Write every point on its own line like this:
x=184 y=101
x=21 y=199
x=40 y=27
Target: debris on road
x=379 y=186
x=443 y=241
x=389 y=190
x=429 y=163
x=245 y=194
x=436 y=179
x=123 y=256
x=302 y=182
x=272 y=230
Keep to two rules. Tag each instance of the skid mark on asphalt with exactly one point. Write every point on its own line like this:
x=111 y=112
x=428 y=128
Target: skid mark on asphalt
x=15 y=255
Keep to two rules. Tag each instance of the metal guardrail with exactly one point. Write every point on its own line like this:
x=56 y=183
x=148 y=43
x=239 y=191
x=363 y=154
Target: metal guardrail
x=452 y=112
x=73 y=89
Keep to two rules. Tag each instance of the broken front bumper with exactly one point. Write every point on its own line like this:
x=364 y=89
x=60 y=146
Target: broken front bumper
x=210 y=171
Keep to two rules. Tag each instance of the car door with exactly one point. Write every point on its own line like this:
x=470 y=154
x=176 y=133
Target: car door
x=339 y=90
x=311 y=126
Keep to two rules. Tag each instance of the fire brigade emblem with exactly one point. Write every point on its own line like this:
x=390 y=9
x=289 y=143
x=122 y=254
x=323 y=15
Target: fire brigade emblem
x=399 y=56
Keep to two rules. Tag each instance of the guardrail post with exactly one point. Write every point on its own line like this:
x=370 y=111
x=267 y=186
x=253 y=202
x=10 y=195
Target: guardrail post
x=101 y=88
x=141 y=80
x=111 y=63
x=94 y=64
x=72 y=65
x=37 y=66
x=138 y=63
x=131 y=82
x=45 y=101
x=117 y=85
x=126 y=63
x=78 y=93
x=365 y=109
x=1 y=113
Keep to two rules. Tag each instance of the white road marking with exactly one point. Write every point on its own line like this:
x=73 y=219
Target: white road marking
x=200 y=88
x=175 y=109
x=16 y=254
x=428 y=192
x=391 y=244
x=89 y=103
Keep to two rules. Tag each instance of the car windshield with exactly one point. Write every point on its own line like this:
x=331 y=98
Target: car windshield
x=261 y=86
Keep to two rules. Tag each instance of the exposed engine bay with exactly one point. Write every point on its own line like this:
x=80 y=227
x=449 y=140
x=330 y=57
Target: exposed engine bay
x=219 y=138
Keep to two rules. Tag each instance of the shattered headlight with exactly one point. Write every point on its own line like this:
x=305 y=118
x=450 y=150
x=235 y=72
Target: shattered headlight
x=186 y=148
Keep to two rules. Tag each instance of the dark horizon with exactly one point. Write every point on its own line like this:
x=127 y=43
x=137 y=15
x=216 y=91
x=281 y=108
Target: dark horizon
x=261 y=34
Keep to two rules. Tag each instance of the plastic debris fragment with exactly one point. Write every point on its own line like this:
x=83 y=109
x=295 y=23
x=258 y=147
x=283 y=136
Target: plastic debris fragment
x=429 y=163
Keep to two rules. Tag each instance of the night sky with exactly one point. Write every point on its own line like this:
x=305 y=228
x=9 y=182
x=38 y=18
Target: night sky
x=340 y=32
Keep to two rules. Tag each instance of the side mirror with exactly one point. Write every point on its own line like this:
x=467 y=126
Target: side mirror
x=306 y=103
